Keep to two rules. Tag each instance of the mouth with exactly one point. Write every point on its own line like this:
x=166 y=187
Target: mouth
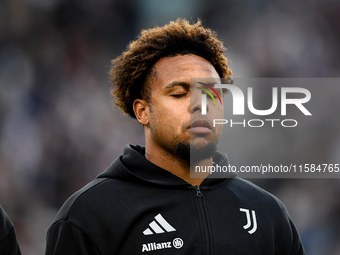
x=200 y=126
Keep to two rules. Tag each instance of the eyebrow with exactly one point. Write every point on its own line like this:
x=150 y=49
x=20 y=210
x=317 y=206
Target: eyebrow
x=177 y=83
x=183 y=84
x=211 y=83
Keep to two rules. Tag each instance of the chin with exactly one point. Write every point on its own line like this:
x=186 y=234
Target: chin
x=201 y=142
x=198 y=144
x=195 y=151
x=202 y=151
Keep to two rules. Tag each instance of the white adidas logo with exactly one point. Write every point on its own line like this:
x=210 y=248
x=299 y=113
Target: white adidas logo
x=159 y=225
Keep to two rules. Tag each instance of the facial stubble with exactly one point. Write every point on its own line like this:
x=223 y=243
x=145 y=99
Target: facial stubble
x=193 y=153
x=188 y=152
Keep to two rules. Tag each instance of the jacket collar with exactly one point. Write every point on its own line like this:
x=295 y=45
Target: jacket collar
x=133 y=166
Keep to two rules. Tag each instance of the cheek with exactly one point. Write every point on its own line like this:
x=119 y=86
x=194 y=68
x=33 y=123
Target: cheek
x=219 y=129
x=217 y=112
x=161 y=117
x=171 y=114
x=160 y=104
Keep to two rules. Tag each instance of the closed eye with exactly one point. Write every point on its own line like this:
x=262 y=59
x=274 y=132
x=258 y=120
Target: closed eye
x=179 y=95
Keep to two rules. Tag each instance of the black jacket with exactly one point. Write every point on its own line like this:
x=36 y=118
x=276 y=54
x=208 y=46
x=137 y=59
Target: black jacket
x=8 y=240
x=135 y=207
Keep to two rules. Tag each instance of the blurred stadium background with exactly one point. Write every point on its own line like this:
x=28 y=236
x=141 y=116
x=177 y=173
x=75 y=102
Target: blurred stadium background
x=57 y=126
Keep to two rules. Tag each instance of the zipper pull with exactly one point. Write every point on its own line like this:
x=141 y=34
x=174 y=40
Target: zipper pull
x=198 y=191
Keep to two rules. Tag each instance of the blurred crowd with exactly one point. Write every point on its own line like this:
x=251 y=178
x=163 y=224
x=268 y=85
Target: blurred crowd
x=58 y=128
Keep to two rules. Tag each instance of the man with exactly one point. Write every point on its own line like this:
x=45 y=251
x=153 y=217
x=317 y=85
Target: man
x=8 y=240
x=146 y=202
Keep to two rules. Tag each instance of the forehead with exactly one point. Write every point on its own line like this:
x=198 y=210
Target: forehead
x=183 y=68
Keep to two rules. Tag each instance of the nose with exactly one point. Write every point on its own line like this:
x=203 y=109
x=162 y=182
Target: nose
x=198 y=102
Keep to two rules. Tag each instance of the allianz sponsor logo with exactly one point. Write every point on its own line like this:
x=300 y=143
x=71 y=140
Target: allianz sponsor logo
x=156 y=246
x=176 y=243
x=160 y=226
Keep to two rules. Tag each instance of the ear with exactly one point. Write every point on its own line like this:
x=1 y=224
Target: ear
x=141 y=109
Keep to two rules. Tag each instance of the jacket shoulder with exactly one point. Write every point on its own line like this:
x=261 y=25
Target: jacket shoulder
x=8 y=240
x=246 y=190
x=6 y=225
x=67 y=207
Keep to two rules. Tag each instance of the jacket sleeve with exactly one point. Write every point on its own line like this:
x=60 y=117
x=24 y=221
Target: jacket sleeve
x=9 y=245
x=8 y=240
x=297 y=244
x=63 y=237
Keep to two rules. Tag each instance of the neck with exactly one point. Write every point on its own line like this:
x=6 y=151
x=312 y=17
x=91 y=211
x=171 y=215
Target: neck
x=176 y=166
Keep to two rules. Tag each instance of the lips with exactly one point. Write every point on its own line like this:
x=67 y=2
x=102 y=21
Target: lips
x=200 y=126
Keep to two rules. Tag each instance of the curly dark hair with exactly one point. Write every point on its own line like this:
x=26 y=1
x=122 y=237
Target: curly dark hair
x=130 y=72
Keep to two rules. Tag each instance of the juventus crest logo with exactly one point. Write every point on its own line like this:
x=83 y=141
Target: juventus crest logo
x=247 y=226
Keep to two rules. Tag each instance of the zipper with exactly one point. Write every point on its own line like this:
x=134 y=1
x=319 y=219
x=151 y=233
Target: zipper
x=204 y=220
x=198 y=191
